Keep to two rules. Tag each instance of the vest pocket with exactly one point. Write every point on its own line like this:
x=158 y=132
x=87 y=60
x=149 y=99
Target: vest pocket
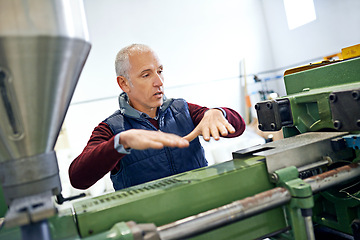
x=119 y=179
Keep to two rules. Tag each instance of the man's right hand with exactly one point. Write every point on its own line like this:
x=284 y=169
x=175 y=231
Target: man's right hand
x=143 y=139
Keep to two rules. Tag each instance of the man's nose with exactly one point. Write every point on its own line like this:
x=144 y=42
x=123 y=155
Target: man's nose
x=158 y=80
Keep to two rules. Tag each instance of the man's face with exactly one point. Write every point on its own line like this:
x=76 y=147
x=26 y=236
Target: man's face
x=146 y=89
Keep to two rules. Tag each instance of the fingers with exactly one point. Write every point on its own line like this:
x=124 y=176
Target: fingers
x=169 y=140
x=191 y=136
x=214 y=131
x=153 y=144
x=208 y=130
x=144 y=139
x=230 y=128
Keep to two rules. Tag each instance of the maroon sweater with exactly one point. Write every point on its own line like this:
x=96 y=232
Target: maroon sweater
x=99 y=156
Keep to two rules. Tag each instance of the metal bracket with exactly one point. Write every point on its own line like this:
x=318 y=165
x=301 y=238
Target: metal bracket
x=298 y=151
x=300 y=207
x=31 y=209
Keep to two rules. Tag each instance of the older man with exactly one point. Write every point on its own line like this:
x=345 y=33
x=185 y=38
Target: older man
x=149 y=137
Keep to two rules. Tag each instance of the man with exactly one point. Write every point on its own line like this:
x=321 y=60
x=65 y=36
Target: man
x=149 y=137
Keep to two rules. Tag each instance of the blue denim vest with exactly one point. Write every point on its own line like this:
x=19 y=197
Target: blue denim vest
x=141 y=166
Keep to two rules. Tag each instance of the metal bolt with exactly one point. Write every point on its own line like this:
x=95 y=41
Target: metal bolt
x=355 y=94
x=269 y=105
x=358 y=123
x=274 y=178
x=332 y=97
x=260 y=126
x=257 y=107
x=328 y=159
x=273 y=126
x=337 y=124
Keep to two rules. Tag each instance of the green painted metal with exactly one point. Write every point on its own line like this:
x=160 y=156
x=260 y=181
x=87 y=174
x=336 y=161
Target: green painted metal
x=119 y=231
x=311 y=109
x=302 y=198
x=176 y=197
x=344 y=72
x=12 y=233
x=308 y=92
x=167 y=200
x=62 y=227
x=336 y=209
x=3 y=205
x=309 y=100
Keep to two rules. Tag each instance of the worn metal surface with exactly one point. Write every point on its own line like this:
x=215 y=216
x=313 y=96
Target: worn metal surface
x=250 y=206
x=334 y=177
x=345 y=109
x=274 y=114
x=296 y=151
x=224 y=215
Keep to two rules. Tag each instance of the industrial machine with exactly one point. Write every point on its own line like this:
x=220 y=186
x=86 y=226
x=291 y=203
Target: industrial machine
x=304 y=186
x=43 y=47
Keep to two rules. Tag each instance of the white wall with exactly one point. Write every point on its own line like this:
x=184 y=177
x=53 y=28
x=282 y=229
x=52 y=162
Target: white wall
x=198 y=41
x=336 y=27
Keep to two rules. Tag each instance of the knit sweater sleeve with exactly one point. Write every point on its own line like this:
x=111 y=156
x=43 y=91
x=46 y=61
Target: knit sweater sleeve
x=97 y=159
x=197 y=112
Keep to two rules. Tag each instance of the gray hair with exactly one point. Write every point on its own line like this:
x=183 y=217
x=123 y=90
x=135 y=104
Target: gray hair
x=122 y=64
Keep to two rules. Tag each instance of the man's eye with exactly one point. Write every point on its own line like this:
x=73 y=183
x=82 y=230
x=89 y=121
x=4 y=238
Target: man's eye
x=160 y=71
x=145 y=75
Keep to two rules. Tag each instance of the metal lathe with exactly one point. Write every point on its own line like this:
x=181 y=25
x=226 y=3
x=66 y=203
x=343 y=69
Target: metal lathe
x=305 y=186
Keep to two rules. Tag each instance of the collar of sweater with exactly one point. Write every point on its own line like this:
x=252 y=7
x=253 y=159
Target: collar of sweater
x=129 y=111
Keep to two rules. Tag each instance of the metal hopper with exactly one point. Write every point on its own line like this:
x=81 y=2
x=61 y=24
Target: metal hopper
x=43 y=47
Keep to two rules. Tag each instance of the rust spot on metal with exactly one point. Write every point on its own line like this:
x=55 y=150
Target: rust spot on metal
x=262 y=197
x=334 y=172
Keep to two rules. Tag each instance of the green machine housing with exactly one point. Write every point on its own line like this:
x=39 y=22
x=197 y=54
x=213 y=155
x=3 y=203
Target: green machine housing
x=323 y=98
x=265 y=191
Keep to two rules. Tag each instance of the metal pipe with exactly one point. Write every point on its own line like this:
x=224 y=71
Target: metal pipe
x=313 y=165
x=309 y=228
x=36 y=231
x=333 y=177
x=250 y=206
x=226 y=214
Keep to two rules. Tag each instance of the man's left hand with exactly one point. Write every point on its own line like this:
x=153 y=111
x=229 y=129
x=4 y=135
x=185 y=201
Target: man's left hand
x=213 y=124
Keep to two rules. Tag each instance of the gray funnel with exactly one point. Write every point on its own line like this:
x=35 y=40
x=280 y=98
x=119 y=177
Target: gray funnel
x=43 y=47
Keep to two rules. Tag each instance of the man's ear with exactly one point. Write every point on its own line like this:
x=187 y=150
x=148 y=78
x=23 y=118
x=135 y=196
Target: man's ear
x=123 y=83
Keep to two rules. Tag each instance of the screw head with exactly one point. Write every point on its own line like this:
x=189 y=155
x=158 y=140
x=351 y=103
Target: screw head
x=269 y=105
x=355 y=94
x=332 y=97
x=358 y=123
x=337 y=124
x=274 y=178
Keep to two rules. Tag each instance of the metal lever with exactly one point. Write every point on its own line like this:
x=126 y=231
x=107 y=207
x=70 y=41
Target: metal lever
x=60 y=199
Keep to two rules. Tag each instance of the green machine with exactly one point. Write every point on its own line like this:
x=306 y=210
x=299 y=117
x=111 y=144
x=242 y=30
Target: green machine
x=304 y=186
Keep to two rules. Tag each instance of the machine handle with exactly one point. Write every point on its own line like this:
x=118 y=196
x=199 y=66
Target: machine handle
x=60 y=198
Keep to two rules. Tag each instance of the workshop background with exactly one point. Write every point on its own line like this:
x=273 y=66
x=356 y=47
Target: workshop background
x=215 y=53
